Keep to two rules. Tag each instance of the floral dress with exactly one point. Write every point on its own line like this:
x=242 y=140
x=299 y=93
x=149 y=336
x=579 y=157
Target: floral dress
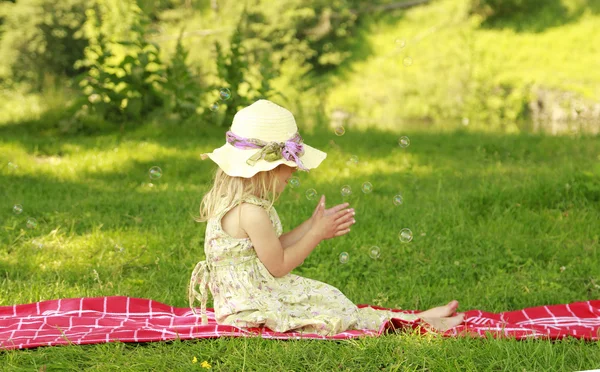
x=247 y=295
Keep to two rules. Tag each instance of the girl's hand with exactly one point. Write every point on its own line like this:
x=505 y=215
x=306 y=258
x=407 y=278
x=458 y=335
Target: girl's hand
x=331 y=210
x=333 y=222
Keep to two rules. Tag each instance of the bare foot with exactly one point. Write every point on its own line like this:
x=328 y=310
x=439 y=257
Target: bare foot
x=440 y=311
x=445 y=323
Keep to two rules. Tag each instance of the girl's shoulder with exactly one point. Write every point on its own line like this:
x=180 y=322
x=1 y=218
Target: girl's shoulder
x=257 y=201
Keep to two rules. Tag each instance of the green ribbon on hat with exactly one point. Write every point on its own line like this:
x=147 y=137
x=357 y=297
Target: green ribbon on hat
x=271 y=152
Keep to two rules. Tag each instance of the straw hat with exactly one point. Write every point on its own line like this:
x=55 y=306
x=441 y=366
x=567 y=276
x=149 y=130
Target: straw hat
x=263 y=136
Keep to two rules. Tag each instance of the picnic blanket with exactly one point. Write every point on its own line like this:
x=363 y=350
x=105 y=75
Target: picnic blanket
x=127 y=319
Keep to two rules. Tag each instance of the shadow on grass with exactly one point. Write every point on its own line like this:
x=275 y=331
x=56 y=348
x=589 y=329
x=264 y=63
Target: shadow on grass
x=538 y=16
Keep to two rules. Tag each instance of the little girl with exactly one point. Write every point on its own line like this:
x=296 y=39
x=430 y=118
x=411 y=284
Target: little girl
x=249 y=260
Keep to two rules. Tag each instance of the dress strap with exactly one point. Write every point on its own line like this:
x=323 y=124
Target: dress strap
x=256 y=200
x=200 y=278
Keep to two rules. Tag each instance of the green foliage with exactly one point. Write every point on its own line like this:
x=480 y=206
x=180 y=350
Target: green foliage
x=315 y=32
x=182 y=88
x=499 y=106
x=232 y=67
x=152 y=7
x=124 y=72
x=233 y=70
x=41 y=37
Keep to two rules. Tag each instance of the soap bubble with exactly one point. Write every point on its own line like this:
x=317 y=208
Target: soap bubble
x=224 y=94
x=294 y=182
x=405 y=235
x=344 y=257
x=401 y=43
x=374 y=252
x=119 y=248
x=18 y=209
x=32 y=223
x=214 y=106
x=407 y=61
x=12 y=165
x=346 y=190
x=340 y=130
x=353 y=159
x=155 y=173
x=398 y=200
x=367 y=187
x=311 y=194
x=404 y=142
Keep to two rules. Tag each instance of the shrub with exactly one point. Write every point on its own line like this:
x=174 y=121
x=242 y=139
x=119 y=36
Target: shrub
x=41 y=37
x=182 y=86
x=234 y=73
x=124 y=72
x=316 y=32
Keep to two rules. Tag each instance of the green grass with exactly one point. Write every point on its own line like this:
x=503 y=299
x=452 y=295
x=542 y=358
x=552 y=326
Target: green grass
x=500 y=222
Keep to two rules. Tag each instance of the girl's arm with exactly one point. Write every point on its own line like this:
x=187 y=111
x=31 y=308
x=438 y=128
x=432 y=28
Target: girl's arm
x=293 y=236
x=296 y=234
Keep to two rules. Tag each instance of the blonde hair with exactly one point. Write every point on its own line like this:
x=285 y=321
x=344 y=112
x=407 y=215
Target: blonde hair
x=228 y=191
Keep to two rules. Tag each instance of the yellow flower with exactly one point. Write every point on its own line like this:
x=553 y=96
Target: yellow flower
x=205 y=365
x=195 y=360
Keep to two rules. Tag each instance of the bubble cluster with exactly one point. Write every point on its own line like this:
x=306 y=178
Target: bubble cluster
x=398 y=200
x=367 y=187
x=224 y=94
x=405 y=235
x=294 y=182
x=403 y=141
x=374 y=252
x=344 y=257
x=346 y=190
x=339 y=130
x=17 y=209
x=311 y=194
x=155 y=173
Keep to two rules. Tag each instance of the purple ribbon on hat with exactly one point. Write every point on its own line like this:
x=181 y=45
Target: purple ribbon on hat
x=290 y=150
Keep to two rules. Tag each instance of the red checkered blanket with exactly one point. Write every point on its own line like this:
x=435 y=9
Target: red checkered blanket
x=126 y=319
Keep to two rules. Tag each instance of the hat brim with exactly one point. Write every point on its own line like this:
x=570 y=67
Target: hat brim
x=233 y=160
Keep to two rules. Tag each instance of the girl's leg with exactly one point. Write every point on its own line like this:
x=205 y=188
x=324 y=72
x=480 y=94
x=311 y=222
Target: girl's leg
x=442 y=318
x=441 y=311
x=444 y=324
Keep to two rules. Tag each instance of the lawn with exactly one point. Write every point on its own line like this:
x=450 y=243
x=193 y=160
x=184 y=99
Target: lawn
x=499 y=222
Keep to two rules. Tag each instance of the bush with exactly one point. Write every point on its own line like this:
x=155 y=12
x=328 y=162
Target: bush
x=182 y=86
x=316 y=32
x=235 y=75
x=124 y=72
x=41 y=37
